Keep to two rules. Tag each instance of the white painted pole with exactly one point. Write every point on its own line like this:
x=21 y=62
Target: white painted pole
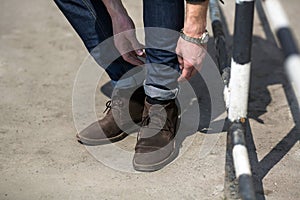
x=281 y=25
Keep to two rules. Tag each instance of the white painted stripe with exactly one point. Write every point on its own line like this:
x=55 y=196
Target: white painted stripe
x=242 y=1
x=276 y=14
x=238 y=90
x=292 y=66
x=241 y=160
x=214 y=10
x=226 y=93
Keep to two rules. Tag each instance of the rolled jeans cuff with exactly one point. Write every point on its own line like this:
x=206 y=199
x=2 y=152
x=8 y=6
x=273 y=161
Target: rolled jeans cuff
x=160 y=94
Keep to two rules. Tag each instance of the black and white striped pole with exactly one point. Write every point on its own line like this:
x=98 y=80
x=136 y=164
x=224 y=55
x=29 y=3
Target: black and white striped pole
x=220 y=45
x=220 y=41
x=230 y=191
x=281 y=25
x=238 y=96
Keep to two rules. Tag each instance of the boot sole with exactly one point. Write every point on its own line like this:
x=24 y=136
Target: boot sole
x=94 y=142
x=155 y=166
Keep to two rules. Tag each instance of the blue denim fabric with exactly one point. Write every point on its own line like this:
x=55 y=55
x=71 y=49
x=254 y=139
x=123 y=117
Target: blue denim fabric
x=92 y=22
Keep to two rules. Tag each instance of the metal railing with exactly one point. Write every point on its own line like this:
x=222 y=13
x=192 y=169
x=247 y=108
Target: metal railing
x=238 y=177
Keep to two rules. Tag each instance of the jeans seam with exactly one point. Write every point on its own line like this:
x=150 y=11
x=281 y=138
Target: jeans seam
x=98 y=25
x=95 y=17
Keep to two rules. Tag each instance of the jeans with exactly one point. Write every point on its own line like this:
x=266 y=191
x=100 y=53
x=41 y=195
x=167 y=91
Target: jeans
x=92 y=22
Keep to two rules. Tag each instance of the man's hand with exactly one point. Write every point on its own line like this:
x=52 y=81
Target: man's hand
x=190 y=55
x=190 y=58
x=125 y=40
x=124 y=32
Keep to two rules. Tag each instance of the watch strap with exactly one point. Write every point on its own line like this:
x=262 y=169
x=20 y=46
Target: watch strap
x=198 y=41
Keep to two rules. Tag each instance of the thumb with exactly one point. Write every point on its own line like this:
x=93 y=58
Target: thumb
x=139 y=52
x=138 y=47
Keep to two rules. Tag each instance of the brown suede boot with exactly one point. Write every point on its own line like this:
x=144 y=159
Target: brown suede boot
x=155 y=147
x=118 y=120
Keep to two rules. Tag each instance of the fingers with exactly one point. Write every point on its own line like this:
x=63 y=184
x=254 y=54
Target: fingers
x=180 y=61
x=132 y=58
x=140 y=52
x=130 y=53
x=187 y=72
x=184 y=76
x=136 y=46
x=137 y=50
x=194 y=71
x=129 y=47
x=190 y=57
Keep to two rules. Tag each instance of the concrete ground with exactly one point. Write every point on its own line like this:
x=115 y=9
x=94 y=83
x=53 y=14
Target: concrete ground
x=40 y=55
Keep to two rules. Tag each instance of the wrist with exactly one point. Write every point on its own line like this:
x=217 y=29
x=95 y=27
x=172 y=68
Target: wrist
x=195 y=20
x=194 y=29
x=119 y=18
x=115 y=8
x=202 y=40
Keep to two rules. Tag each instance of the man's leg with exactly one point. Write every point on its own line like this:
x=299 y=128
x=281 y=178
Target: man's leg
x=93 y=24
x=156 y=145
x=161 y=57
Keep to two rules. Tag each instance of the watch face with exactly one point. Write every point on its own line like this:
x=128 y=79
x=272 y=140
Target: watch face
x=205 y=38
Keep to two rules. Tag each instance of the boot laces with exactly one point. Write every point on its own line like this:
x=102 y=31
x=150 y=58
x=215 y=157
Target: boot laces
x=112 y=104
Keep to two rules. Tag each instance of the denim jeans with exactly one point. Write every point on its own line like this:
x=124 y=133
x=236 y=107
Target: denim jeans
x=92 y=22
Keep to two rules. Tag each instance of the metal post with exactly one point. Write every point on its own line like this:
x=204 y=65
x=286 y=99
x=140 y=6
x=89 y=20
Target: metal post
x=220 y=45
x=284 y=34
x=220 y=42
x=230 y=183
x=239 y=90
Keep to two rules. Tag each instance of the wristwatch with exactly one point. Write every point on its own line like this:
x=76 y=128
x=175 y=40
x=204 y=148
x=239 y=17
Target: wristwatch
x=203 y=39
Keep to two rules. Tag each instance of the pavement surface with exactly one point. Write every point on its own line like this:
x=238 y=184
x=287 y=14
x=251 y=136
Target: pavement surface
x=40 y=55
